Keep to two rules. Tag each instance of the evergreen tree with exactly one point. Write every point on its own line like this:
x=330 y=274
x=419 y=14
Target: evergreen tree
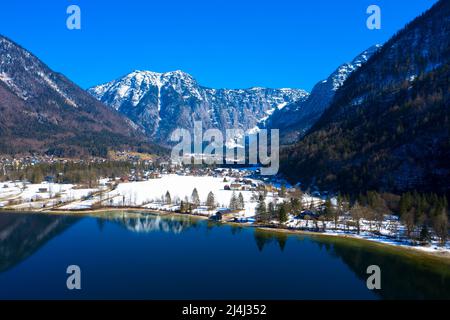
x=282 y=213
x=234 y=202
x=261 y=196
x=195 y=198
x=168 y=198
x=261 y=211
x=37 y=176
x=424 y=234
x=405 y=203
x=241 y=203
x=211 y=201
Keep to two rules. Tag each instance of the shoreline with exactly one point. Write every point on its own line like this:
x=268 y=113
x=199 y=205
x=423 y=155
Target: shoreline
x=405 y=249
x=402 y=249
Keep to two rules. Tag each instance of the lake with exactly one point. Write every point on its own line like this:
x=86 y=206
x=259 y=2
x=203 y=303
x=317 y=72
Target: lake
x=125 y=256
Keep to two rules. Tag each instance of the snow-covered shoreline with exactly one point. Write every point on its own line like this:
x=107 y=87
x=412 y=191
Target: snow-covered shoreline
x=150 y=196
x=441 y=252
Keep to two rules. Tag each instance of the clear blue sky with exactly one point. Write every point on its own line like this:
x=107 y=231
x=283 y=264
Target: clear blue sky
x=222 y=43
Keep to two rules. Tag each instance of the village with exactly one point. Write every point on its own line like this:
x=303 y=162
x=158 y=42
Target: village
x=166 y=188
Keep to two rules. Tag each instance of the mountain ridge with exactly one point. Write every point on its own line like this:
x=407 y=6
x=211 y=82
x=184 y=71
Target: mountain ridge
x=295 y=119
x=388 y=125
x=42 y=111
x=161 y=102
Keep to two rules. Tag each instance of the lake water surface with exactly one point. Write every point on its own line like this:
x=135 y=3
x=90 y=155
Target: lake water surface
x=153 y=257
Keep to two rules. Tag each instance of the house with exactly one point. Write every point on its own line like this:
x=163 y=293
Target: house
x=217 y=217
x=154 y=175
x=236 y=186
x=308 y=213
x=246 y=187
x=222 y=214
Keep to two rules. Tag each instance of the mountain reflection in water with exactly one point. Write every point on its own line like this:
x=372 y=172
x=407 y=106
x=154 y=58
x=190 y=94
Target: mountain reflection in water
x=152 y=223
x=23 y=234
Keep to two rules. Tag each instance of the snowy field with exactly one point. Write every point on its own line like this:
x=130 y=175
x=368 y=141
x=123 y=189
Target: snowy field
x=391 y=232
x=145 y=194
x=19 y=195
x=149 y=194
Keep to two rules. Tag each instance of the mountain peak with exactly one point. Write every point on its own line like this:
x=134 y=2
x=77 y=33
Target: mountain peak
x=294 y=119
x=159 y=102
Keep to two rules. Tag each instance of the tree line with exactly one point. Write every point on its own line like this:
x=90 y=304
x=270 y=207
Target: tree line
x=86 y=173
x=422 y=214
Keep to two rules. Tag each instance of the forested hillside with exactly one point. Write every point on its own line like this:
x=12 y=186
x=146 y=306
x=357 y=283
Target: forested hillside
x=388 y=126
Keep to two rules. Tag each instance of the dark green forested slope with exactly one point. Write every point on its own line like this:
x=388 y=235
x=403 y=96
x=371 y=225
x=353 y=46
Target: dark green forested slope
x=388 y=126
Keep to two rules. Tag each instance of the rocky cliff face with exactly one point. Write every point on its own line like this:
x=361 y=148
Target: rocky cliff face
x=161 y=102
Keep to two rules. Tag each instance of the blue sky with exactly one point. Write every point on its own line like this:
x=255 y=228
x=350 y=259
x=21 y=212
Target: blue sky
x=222 y=43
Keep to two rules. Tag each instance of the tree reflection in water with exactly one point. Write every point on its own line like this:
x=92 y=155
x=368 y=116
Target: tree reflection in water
x=263 y=237
x=405 y=275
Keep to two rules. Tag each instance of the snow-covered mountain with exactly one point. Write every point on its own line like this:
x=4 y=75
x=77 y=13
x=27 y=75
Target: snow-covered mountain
x=43 y=111
x=160 y=102
x=296 y=118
